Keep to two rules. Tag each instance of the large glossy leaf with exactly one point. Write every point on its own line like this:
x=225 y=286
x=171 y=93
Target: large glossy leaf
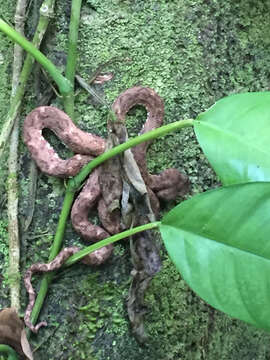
x=220 y=243
x=235 y=136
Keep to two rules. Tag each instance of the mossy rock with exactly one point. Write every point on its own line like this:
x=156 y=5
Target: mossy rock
x=192 y=53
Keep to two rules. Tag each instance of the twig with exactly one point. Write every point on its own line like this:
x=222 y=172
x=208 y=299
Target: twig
x=91 y=91
x=46 y=12
x=42 y=99
x=13 y=229
x=32 y=187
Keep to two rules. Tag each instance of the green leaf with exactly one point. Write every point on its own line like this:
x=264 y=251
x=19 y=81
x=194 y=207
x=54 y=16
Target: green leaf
x=234 y=135
x=220 y=242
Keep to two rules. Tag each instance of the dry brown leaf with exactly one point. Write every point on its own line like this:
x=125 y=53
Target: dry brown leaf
x=26 y=346
x=12 y=333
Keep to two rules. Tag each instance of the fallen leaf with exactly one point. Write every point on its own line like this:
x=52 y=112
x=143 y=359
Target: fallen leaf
x=12 y=333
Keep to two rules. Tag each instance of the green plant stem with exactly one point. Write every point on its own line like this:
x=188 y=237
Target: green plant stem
x=63 y=84
x=77 y=181
x=68 y=100
x=68 y=200
x=89 y=249
x=47 y=6
x=69 y=197
x=7 y=350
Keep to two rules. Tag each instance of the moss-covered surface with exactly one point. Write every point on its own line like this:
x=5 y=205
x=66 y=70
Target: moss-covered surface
x=192 y=52
x=5 y=84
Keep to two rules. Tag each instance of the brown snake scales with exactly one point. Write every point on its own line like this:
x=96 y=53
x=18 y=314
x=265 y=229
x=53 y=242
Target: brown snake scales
x=166 y=186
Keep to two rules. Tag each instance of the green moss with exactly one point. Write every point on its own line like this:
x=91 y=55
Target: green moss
x=99 y=309
x=4 y=251
x=6 y=58
x=188 y=328
x=177 y=318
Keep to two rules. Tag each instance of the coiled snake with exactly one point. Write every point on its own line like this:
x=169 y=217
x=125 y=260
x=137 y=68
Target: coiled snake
x=166 y=186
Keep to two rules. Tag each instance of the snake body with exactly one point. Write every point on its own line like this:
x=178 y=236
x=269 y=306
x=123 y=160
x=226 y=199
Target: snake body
x=167 y=185
x=170 y=183
x=80 y=142
x=95 y=258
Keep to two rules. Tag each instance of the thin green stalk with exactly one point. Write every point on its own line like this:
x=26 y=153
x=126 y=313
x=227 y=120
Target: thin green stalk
x=77 y=181
x=47 y=9
x=7 y=350
x=68 y=200
x=68 y=100
x=112 y=239
x=63 y=84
